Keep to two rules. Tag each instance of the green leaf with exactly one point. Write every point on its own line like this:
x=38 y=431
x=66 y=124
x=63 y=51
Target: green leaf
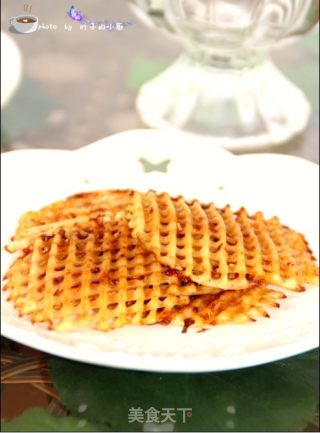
x=305 y=77
x=313 y=14
x=143 y=70
x=28 y=110
x=281 y=396
x=5 y=142
x=302 y=68
x=311 y=43
x=39 y=420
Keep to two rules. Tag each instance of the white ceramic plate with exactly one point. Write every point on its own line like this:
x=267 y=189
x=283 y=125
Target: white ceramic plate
x=276 y=184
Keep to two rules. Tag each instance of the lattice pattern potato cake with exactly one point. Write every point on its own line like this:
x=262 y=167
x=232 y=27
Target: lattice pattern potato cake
x=110 y=258
x=75 y=209
x=97 y=276
x=228 y=306
x=220 y=248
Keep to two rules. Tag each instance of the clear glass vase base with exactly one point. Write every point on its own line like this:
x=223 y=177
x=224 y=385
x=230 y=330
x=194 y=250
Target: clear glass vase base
x=236 y=108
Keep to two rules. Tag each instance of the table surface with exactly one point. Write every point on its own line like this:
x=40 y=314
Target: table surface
x=76 y=88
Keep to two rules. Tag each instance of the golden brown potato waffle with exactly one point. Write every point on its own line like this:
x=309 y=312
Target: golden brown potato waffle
x=228 y=306
x=295 y=253
x=282 y=255
x=219 y=248
x=97 y=276
x=78 y=208
x=84 y=265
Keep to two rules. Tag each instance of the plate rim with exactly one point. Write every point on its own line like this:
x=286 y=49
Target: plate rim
x=167 y=362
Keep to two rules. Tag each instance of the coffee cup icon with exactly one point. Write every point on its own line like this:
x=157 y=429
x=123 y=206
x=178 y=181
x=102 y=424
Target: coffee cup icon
x=25 y=23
